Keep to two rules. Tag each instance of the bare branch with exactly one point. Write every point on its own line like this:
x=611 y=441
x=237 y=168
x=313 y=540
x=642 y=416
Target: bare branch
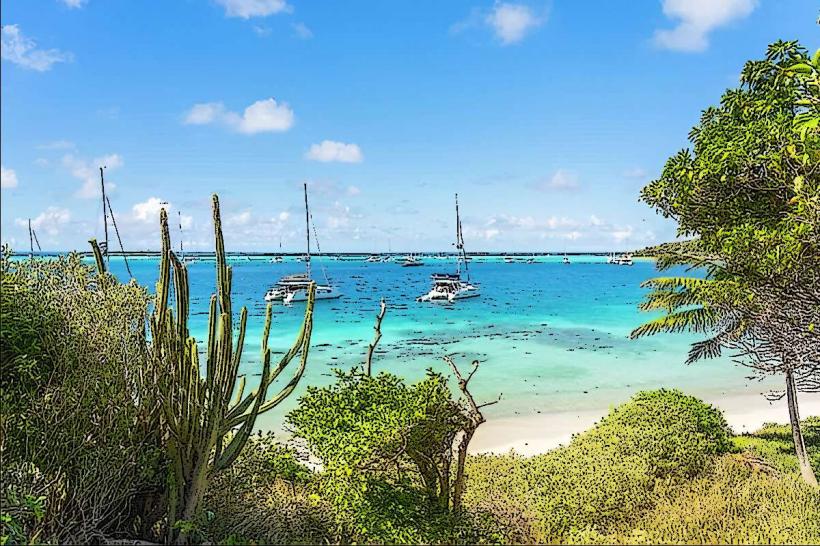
x=376 y=337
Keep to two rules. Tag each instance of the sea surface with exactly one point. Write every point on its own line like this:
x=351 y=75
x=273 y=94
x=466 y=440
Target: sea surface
x=549 y=337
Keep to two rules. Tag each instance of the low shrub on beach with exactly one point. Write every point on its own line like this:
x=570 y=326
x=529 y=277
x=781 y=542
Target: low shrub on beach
x=605 y=475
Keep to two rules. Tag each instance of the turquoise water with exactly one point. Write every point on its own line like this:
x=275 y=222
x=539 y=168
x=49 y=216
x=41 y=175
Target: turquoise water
x=550 y=337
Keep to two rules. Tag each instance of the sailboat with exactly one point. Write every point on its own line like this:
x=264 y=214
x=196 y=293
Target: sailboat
x=292 y=288
x=278 y=258
x=450 y=286
x=411 y=260
x=185 y=259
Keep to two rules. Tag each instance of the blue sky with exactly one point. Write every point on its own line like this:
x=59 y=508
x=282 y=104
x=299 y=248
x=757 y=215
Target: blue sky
x=546 y=118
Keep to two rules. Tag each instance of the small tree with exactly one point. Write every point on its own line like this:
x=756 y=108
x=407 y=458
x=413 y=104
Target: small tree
x=749 y=191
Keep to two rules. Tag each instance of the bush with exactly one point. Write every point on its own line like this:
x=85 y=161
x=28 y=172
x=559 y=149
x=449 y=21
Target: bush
x=267 y=497
x=387 y=450
x=604 y=475
x=78 y=429
x=734 y=503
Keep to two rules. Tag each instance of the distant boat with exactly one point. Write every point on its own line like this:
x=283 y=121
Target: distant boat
x=373 y=258
x=565 y=261
x=295 y=287
x=450 y=286
x=623 y=259
x=508 y=259
x=411 y=261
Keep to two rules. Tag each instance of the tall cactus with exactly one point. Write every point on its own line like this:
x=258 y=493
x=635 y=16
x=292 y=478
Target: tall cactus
x=209 y=419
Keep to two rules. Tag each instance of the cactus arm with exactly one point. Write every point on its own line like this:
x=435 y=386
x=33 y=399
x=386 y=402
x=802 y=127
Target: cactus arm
x=236 y=415
x=308 y=330
x=212 y=341
x=240 y=390
x=241 y=437
x=98 y=257
x=161 y=303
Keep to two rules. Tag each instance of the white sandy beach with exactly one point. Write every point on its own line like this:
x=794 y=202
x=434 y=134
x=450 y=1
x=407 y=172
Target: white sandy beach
x=537 y=434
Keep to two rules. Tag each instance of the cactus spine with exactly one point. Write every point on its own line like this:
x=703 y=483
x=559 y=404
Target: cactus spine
x=206 y=431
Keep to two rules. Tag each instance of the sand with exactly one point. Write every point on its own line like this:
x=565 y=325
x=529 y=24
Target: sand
x=537 y=434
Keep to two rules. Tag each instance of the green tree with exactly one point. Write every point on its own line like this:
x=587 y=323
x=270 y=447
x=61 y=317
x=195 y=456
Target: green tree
x=748 y=190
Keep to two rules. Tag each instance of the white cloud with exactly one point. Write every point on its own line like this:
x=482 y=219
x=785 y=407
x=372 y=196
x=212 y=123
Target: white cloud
x=561 y=180
x=18 y=49
x=696 y=19
x=8 y=178
x=302 y=31
x=48 y=221
x=353 y=190
x=253 y=8
x=57 y=145
x=512 y=22
x=74 y=4
x=263 y=116
x=239 y=219
x=636 y=172
x=148 y=211
x=330 y=150
x=89 y=173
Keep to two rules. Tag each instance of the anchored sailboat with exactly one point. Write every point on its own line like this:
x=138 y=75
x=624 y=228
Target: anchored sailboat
x=450 y=286
x=292 y=288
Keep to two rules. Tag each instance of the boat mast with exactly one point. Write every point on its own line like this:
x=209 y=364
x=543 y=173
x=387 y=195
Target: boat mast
x=105 y=212
x=181 y=250
x=30 y=241
x=307 y=232
x=460 y=244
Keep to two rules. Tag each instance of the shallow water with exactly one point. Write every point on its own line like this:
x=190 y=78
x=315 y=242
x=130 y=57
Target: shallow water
x=550 y=337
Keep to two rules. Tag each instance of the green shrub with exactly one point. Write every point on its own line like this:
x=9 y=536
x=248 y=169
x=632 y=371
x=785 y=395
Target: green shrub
x=775 y=444
x=734 y=503
x=78 y=428
x=604 y=475
x=266 y=497
x=387 y=451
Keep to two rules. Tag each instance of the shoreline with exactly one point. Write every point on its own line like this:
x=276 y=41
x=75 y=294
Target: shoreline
x=534 y=435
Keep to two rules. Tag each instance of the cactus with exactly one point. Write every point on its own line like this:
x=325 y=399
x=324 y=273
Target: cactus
x=209 y=419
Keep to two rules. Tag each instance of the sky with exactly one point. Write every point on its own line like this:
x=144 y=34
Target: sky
x=546 y=118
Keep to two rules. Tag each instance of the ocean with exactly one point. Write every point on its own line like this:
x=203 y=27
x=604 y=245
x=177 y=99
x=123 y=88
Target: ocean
x=549 y=337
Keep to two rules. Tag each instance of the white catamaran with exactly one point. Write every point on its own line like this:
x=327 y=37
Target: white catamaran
x=292 y=288
x=450 y=286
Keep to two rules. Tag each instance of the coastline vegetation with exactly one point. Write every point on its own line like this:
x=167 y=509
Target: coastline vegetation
x=112 y=430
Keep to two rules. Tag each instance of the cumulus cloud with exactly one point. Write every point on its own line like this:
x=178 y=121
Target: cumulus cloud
x=263 y=116
x=302 y=31
x=512 y=22
x=148 y=210
x=561 y=180
x=330 y=150
x=253 y=8
x=48 y=221
x=696 y=19
x=89 y=173
x=8 y=178
x=74 y=4
x=17 y=48
x=636 y=172
x=596 y=232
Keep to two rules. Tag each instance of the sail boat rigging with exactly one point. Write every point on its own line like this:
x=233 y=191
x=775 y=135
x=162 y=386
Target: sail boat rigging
x=448 y=286
x=292 y=288
x=106 y=203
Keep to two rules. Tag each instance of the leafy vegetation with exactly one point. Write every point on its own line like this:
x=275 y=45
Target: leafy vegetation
x=749 y=191
x=81 y=457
